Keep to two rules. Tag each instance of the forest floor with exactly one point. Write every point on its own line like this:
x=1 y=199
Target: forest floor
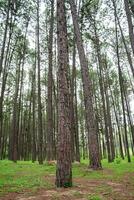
x=28 y=181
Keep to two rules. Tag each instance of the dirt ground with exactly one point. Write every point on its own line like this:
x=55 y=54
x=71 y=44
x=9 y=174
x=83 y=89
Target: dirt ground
x=83 y=188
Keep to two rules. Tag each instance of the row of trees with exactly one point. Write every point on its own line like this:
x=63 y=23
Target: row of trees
x=66 y=82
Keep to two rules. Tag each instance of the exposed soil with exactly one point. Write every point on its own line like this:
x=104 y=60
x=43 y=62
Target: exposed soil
x=83 y=189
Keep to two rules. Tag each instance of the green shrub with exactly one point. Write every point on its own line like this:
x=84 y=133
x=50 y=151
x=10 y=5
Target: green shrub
x=118 y=160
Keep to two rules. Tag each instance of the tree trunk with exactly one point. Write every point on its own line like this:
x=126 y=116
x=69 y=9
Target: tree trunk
x=130 y=24
x=64 y=168
x=121 y=87
x=40 y=130
x=5 y=36
x=50 y=81
x=94 y=153
x=14 y=141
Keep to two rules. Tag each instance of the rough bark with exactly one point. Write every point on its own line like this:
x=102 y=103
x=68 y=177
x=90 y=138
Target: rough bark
x=50 y=87
x=94 y=153
x=64 y=168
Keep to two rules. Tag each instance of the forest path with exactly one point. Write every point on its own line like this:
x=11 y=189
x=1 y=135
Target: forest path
x=83 y=189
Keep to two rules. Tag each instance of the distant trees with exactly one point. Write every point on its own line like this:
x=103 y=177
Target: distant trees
x=66 y=82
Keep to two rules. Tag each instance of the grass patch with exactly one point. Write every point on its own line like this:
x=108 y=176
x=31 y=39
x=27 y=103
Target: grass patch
x=16 y=177
x=23 y=175
x=77 y=194
x=94 y=197
x=111 y=171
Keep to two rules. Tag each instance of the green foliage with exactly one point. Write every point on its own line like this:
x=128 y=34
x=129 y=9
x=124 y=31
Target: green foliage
x=2 y=4
x=68 y=184
x=90 y=6
x=94 y=197
x=118 y=160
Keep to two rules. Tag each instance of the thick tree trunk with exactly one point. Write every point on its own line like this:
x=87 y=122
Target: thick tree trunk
x=94 y=153
x=64 y=168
